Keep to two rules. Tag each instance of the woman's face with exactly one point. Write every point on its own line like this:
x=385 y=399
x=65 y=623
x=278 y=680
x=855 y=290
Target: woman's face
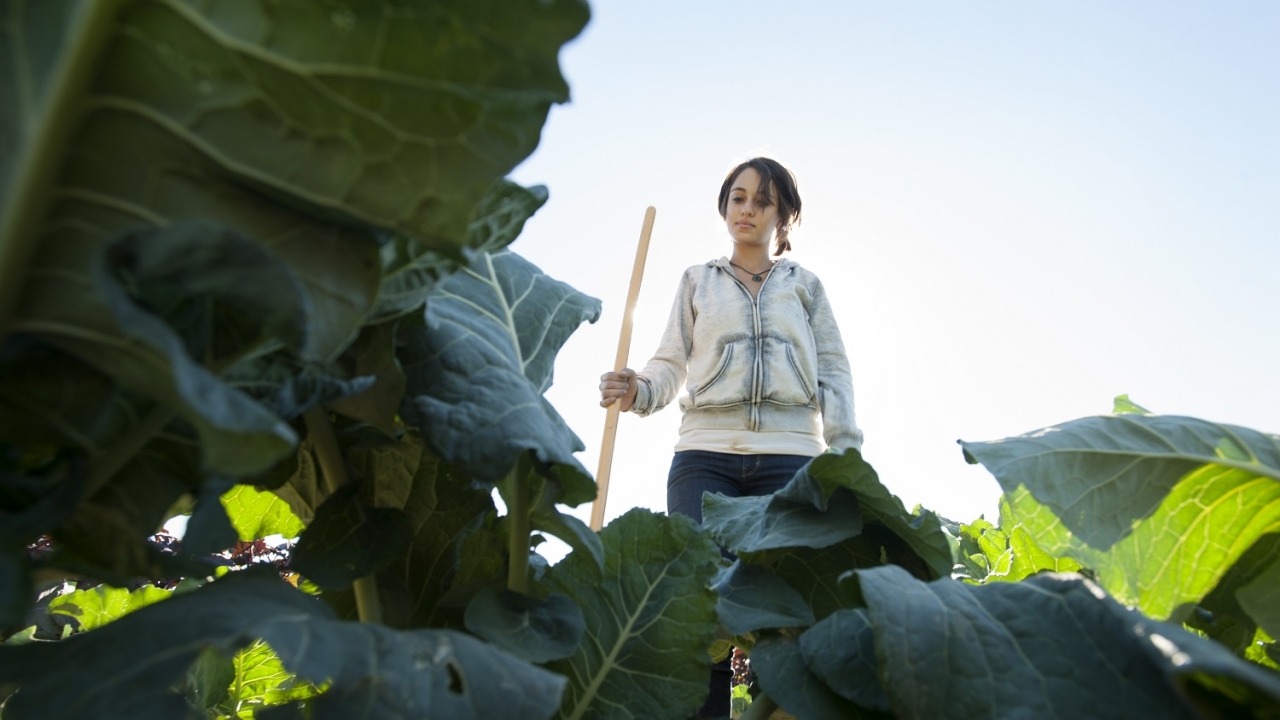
x=750 y=217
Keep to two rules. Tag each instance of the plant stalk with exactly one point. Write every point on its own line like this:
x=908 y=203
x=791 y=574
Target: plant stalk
x=521 y=527
x=47 y=118
x=333 y=472
x=760 y=708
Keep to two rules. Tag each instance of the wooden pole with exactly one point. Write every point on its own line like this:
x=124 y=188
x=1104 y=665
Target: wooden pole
x=620 y=362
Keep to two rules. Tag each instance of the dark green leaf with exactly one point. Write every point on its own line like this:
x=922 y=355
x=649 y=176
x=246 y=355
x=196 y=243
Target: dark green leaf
x=477 y=370
x=221 y=292
x=544 y=493
x=755 y=524
x=385 y=468
x=816 y=573
x=753 y=598
x=501 y=214
x=444 y=510
x=919 y=530
x=154 y=358
x=841 y=651
x=210 y=678
x=132 y=665
x=48 y=396
x=411 y=268
x=649 y=620
x=373 y=355
x=209 y=529
x=1142 y=499
x=537 y=630
x=784 y=676
x=289 y=387
x=1050 y=646
x=1261 y=599
x=348 y=540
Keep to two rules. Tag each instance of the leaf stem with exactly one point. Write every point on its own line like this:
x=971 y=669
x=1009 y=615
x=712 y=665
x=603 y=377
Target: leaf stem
x=761 y=707
x=333 y=473
x=521 y=526
x=44 y=135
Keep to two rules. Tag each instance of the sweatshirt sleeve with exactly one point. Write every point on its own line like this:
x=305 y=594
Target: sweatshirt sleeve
x=835 y=382
x=662 y=376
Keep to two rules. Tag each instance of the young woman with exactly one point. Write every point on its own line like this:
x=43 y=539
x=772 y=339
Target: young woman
x=755 y=343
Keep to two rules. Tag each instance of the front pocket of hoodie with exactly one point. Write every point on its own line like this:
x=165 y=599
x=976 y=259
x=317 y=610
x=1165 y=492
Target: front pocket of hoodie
x=730 y=382
x=785 y=381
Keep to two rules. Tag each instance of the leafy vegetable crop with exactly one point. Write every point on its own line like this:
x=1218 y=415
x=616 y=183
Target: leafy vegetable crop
x=254 y=268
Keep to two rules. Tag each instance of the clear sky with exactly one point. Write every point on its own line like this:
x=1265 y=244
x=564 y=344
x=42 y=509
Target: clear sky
x=1020 y=210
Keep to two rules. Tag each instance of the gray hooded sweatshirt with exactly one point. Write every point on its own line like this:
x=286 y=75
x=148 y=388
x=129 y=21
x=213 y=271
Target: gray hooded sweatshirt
x=771 y=368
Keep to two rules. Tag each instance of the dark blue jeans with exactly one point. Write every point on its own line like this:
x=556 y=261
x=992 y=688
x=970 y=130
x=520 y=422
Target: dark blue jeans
x=694 y=472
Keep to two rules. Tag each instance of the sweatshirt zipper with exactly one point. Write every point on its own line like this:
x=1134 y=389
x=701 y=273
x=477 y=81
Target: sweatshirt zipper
x=757 y=369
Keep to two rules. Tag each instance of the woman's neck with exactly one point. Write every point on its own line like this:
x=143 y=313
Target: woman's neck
x=753 y=259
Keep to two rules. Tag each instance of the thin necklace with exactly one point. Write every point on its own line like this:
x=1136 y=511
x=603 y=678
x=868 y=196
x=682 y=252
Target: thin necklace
x=754 y=275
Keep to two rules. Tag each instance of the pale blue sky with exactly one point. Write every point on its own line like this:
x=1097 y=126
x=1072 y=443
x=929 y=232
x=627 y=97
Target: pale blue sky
x=1019 y=209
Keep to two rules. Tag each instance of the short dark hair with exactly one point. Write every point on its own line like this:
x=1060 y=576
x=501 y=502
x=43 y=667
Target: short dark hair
x=772 y=175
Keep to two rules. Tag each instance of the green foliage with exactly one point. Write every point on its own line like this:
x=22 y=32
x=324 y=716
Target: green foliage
x=253 y=267
x=1121 y=663
x=373 y=669
x=1113 y=492
x=991 y=554
x=98 y=606
x=649 y=620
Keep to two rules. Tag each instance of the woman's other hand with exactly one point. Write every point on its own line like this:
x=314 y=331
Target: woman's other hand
x=619 y=387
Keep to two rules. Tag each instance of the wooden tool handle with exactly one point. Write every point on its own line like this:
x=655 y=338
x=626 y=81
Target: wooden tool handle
x=620 y=362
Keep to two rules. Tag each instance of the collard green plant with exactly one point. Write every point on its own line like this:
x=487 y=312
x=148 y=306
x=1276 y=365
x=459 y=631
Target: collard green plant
x=253 y=268
x=1116 y=492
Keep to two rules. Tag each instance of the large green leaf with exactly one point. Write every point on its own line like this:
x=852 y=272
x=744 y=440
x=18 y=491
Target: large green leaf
x=478 y=369
x=348 y=540
x=753 y=598
x=537 y=630
x=444 y=509
x=373 y=355
x=784 y=675
x=411 y=268
x=768 y=522
x=1159 y=506
x=841 y=652
x=920 y=530
x=128 y=668
x=261 y=117
x=49 y=397
x=649 y=620
x=1051 y=646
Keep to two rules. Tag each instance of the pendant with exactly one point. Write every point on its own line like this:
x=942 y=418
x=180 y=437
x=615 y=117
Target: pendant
x=757 y=278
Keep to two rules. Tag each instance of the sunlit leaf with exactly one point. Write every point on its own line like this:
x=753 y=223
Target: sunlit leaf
x=1159 y=506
